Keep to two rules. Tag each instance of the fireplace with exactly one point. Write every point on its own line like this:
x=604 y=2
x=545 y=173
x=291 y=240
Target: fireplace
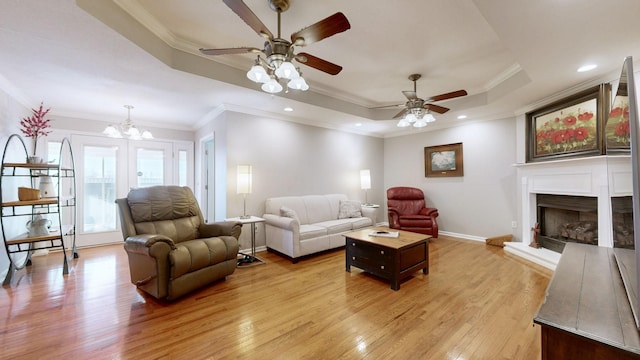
x=566 y=218
x=598 y=178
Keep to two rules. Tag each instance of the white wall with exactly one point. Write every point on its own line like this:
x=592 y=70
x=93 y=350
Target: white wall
x=215 y=128
x=293 y=159
x=480 y=204
x=11 y=112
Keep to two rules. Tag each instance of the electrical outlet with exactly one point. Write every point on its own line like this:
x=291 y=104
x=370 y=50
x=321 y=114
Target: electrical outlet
x=514 y=224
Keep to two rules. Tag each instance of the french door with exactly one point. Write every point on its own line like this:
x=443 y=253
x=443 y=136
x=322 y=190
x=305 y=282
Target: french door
x=150 y=163
x=107 y=168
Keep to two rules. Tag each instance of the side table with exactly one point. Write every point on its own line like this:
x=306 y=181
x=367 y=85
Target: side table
x=247 y=259
x=371 y=211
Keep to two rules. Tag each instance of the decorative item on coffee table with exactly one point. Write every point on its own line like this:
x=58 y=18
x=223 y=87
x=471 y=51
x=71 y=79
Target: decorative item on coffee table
x=34 y=127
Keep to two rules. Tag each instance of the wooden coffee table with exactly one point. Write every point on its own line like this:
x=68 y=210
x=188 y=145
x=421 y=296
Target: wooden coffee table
x=389 y=258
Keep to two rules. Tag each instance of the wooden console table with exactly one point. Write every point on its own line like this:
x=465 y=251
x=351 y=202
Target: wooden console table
x=586 y=314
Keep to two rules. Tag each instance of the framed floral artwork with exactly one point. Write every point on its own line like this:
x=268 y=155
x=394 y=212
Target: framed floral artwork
x=443 y=160
x=617 y=131
x=567 y=128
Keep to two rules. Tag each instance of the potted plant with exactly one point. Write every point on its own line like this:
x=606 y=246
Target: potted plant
x=35 y=126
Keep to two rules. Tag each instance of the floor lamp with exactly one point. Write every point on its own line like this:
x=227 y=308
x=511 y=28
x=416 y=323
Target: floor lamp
x=365 y=183
x=244 y=187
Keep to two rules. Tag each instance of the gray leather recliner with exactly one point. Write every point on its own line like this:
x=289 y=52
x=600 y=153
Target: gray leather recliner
x=171 y=250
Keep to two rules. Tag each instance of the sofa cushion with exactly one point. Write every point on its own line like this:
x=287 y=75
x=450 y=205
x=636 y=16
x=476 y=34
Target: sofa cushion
x=311 y=231
x=359 y=223
x=349 y=209
x=335 y=226
x=295 y=203
x=290 y=213
x=318 y=208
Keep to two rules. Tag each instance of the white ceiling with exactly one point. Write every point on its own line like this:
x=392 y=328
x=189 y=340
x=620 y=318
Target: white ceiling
x=88 y=58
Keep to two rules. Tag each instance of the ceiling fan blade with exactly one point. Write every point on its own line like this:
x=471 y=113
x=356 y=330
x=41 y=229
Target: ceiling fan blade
x=436 y=108
x=387 y=106
x=238 y=50
x=411 y=95
x=446 y=96
x=330 y=26
x=400 y=114
x=317 y=63
x=243 y=11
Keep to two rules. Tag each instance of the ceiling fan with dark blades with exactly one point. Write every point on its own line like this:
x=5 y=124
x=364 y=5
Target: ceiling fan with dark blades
x=278 y=50
x=420 y=107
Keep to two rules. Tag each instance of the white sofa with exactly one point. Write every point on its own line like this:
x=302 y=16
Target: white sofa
x=296 y=226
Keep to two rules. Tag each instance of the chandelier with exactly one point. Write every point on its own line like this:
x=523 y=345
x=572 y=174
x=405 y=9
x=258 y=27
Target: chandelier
x=416 y=116
x=127 y=128
x=276 y=67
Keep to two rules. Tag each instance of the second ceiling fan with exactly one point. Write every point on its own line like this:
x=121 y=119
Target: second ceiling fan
x=279 y=52
x=417 y=110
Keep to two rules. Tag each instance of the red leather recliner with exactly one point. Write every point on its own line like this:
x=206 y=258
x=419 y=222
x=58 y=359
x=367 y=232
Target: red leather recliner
x=408 y=211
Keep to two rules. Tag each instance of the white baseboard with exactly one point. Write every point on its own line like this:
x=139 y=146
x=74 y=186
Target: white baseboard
x=258 y=249
x=463 y=236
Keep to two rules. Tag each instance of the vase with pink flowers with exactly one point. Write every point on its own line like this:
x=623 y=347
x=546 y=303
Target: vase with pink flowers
x=36 y=126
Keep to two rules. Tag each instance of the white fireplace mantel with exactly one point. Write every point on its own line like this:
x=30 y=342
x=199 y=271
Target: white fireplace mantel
x=602 y=177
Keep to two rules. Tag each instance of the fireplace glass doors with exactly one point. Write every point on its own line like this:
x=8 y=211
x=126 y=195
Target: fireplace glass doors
x=622 y=220
x=564 y=218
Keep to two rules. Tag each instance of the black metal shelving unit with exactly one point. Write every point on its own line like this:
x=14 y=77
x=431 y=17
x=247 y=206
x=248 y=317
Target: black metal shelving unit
x=61 y=210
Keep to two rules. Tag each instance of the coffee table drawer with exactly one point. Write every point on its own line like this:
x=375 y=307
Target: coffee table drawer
x=373 y=252
x=370 y=258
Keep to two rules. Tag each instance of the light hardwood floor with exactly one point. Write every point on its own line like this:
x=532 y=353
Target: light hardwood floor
x=475 y=303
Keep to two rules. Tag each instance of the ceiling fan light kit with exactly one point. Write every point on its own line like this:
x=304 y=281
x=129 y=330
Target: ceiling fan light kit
x=279 y=52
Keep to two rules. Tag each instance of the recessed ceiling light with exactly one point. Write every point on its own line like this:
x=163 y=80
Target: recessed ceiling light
x=288 y=108
x=587 y=67
x=462 y=116
x=358 y=124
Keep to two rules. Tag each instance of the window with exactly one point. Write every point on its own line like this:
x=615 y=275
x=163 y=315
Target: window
x=182 y=168
x=99 y=188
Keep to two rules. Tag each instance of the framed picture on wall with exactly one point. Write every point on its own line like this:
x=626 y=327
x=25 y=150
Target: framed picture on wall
x=443 y=160
x=617 y=130
x=569 y=127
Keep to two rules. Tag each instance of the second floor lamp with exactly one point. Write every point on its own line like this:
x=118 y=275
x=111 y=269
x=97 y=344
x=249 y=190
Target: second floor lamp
x=244 y=186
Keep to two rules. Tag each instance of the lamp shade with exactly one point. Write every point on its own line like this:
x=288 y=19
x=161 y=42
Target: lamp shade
x=286 y=70
x=298 y=84
x=403 y=123
x=258 y=74
x=365 y=179
x=410 y=117
x=420 y=123
x=111 y=131
x=244 y=179
x=272 y=86
x=429 y=118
